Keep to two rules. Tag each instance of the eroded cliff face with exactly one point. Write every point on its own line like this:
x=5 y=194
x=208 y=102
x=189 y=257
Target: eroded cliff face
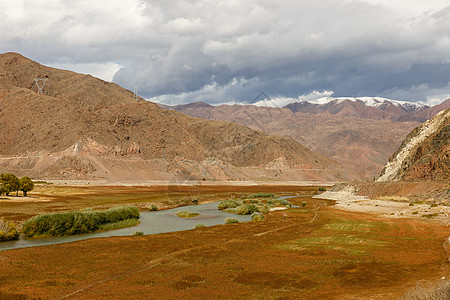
x=424 y=154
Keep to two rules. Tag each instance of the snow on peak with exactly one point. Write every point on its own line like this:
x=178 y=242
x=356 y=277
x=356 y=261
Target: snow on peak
x=368 y=101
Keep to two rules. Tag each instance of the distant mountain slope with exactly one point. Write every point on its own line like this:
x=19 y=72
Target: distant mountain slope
x=424 y=154
x=85 y=128
x=369 y=108
x=361 y=133
x=363 y=145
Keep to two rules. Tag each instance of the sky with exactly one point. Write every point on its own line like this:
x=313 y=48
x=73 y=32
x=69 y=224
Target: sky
x=218 y=52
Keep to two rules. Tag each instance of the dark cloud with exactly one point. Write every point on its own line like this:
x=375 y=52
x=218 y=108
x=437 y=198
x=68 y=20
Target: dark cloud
x=230 y=51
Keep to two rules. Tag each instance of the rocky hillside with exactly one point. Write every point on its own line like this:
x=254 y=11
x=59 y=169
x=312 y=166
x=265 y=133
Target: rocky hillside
x=84 y=128
x=363 y=145
x=424 y=154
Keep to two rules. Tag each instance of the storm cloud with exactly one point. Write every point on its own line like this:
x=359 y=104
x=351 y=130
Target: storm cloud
x=230 y=51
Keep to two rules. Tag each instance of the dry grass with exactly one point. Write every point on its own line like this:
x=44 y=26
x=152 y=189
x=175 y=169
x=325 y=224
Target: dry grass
x=440 y=291
x=340 y=254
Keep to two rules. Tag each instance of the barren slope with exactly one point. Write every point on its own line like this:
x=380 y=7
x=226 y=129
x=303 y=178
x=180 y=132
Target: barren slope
x=83 y=127
x=363 y=145
x=424 y=154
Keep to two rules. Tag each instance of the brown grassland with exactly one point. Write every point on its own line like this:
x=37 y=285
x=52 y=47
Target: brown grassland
x=313 y=252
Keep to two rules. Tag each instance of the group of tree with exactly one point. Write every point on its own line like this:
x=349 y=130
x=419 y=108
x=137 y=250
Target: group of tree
x=11 y=183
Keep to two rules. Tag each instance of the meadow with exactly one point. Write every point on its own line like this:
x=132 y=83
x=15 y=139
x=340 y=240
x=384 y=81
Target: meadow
x=309 y=252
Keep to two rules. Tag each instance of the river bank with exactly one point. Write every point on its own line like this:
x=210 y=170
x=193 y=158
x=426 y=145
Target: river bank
x=388 y=206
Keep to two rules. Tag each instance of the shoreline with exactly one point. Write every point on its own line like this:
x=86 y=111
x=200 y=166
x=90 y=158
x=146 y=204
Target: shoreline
x=346 y=199
x=187 y=183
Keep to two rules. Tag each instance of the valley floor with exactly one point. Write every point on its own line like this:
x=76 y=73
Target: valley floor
x=314 y=252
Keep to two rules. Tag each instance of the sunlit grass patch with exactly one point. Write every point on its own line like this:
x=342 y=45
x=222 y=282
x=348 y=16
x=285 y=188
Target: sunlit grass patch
x=342 y=243
x=300 y=210
x=356 y=226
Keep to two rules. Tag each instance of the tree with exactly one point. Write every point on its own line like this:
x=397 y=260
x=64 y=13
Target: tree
x=26 y=185
x=2 y=189
x=10 y=182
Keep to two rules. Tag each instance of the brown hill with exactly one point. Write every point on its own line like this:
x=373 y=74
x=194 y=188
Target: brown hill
x=424 y=154
x=85 y=128
x=430 y=112
x=361 y=144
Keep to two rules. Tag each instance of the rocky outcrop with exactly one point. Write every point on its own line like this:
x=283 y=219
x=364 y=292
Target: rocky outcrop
x=424 y=154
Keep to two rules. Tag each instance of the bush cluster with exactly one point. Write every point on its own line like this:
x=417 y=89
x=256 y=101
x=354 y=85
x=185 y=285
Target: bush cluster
x=153 y=208
x=263 y=195
x=187 y=214
x=229 y=204
x=258 y=217
x=8 y=231
x=231 y=221
x=248 y=207
x=68 y=223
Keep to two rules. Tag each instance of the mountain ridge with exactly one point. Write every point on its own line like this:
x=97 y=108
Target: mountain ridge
x=359 y=142
x=84 y=128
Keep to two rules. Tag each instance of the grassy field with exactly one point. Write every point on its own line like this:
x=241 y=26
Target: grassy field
x=315 y=252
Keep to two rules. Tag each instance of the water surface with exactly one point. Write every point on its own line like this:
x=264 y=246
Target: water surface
x=151 y=223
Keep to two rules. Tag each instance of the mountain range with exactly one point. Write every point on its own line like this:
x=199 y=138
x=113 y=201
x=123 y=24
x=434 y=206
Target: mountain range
x=359 y=133
x=81 y=127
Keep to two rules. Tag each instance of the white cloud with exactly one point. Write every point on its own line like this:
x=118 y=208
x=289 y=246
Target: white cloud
x=173 y=49
x=431 y=96
x=283 y=101
x=104 y=71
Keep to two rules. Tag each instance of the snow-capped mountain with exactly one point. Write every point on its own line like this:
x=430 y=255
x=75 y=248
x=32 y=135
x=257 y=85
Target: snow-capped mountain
x=372 y=101
x=366 y=107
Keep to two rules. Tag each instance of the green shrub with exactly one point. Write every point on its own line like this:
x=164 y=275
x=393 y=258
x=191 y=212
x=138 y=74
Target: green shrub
x=411 y=204
x=231 y=221
x=429 y=216
x=264 y=209
x=263 y=195
x=8 y=231
x=68 y=223
x=187 y=214
x=278 y=202
x=322 y=189
x=138 y=233
x=199 y=226
x=230 y=210
x=303 y=203
x=415 y=212
x=229 y=204
x=253 y=201
x=153 y=208
x=286 y=203
x=195 y=201
x=226 y=204
x=246 y=209
x=258 y=217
